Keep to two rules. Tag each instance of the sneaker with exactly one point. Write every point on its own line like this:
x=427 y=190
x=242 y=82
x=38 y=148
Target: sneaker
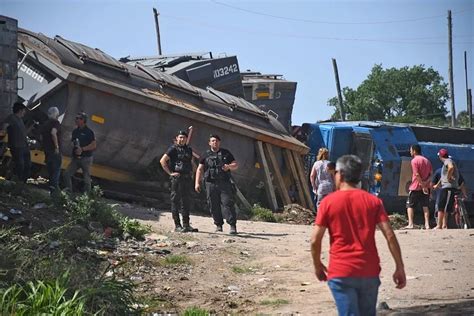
x=178 y=229
x=189 y=229
x=233 y=230
x=218 y=228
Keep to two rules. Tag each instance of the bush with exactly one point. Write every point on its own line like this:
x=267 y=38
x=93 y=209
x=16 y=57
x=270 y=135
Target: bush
x=195 y=311
x=262 y=214
x=90 y=207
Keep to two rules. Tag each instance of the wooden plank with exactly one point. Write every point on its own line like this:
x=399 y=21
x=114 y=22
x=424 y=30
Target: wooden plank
x=285 y=197
x=267 y=178
x=291 y=164
x=302 y=176
x=243 y=201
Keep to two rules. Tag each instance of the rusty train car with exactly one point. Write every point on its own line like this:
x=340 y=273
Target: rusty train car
x=135 y=111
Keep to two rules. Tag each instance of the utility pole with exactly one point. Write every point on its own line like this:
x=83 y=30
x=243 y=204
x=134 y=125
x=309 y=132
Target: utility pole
x=157 y=24
x=469 y=104
x=469 y=107
x=338 y=87
x=451 y=81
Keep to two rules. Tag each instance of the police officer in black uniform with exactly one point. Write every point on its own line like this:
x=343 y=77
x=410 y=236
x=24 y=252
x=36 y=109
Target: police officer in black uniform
x=177 y=163
x=216 y=165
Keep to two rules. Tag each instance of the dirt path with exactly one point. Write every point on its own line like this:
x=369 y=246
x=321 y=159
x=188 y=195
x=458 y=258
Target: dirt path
x=267 y=269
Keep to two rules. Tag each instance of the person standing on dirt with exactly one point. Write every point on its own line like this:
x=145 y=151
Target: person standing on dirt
x=321 y=177
x=351 y=216
x=51 y=135
x=215 y=165
x=177 y=163
x=449 y=183
x=419 y=188
x=18 y=141
x=84 y=144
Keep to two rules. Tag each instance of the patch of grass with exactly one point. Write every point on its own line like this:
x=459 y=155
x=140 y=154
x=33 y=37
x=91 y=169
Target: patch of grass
x=262 y=214
x=175 y=260
x=398 y=220
x=238 y=269
x=40 y=298
x=195 y=311
x=275 y=302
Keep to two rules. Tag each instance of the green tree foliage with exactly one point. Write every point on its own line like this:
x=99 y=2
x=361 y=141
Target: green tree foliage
x=409 y=95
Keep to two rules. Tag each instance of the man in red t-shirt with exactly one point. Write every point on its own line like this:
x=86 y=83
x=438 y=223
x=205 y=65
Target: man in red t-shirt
x=419 y=188
x=351 y=216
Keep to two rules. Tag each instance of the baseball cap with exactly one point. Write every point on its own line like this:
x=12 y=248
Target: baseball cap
x=82 y=115
x=181 y=132
x=443 y=153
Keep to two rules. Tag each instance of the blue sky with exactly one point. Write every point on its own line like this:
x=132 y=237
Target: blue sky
x=294 y=38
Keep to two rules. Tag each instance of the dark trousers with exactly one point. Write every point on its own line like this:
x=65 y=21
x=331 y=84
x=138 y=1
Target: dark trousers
x=83 y=163
x=181 y=188
x=221 y=192
x=22 y=162
x=53 y=164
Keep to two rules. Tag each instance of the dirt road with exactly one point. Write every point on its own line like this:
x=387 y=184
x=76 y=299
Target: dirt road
x=267 y=269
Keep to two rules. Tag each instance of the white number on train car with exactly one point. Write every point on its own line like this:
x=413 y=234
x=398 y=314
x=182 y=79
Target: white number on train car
x=224 y=71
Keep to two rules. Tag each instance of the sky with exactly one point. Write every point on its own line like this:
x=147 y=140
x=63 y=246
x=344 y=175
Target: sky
x=296 y=39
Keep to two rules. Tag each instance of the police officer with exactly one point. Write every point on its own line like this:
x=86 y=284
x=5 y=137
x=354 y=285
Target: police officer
x=216 y=165
x=177 y=163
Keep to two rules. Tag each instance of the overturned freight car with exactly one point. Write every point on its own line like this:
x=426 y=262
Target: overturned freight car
x=135 y=112
x=385 y=152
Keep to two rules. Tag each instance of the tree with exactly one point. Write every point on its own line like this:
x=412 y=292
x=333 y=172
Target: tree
x=410 y=95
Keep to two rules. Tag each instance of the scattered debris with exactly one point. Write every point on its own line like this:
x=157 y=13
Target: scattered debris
x=296 y=214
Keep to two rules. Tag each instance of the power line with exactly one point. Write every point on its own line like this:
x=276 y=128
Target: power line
x=299 y=36
x=332 y=22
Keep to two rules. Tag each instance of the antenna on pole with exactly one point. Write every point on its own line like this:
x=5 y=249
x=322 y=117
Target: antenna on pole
x=157 y=24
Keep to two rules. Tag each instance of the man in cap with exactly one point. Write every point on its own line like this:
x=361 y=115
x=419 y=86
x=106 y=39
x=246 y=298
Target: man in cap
x=215 y=165
x=18 y=142
x=449 y=183
x=51 y=136
x=177 y=163
x=84 y=144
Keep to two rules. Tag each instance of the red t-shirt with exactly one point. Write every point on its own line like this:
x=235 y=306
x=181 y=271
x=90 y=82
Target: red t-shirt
x=422 y=166
x=351 y=217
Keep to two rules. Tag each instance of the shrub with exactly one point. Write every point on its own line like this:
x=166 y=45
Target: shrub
x=195 y=311
x=262 y=214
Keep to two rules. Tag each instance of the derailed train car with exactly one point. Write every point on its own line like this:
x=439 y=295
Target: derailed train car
x=135 y=111
x=385 y=152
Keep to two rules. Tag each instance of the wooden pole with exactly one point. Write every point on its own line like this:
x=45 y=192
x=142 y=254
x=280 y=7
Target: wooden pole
x=303 y=178
x=157 y=25
x=294 y=173
x=338 y=87
x=469 y=108
x=451 y=81
x=267 y=178
x=285 y=197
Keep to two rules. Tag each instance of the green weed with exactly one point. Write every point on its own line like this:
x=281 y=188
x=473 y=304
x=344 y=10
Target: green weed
x=262 y=214
x=175 y=260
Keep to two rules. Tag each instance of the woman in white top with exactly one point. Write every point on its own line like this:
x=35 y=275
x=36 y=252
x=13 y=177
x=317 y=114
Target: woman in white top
x=322 y=176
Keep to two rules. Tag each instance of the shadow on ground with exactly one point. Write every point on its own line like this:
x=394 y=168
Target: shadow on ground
x=444 y=309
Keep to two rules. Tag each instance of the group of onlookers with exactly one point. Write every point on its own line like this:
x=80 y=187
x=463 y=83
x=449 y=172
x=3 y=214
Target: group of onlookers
x=351 y=216
x=82 y=138
x=443 y=185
